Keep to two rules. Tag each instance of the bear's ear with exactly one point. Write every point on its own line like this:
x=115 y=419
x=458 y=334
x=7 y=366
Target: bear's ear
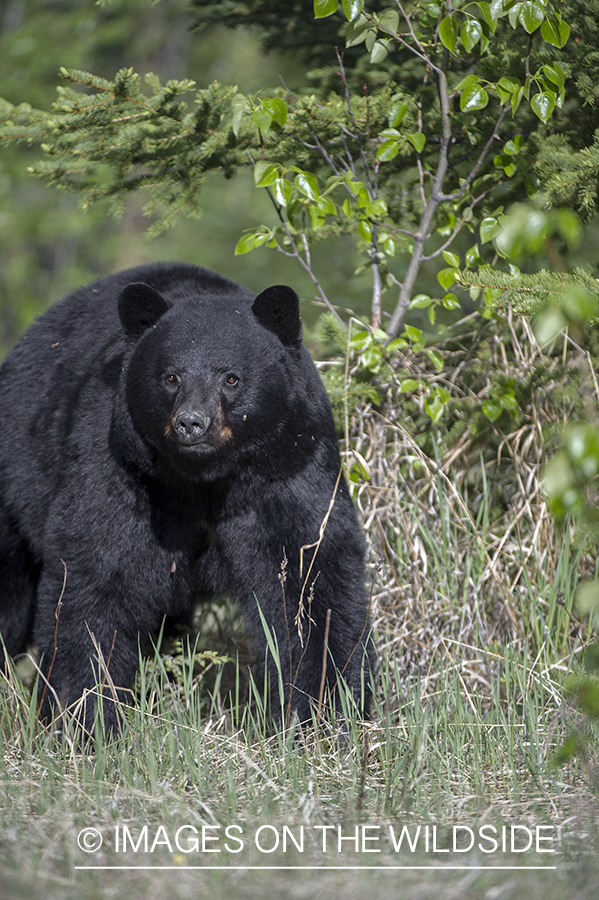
x=140 y=307
x=277 y=308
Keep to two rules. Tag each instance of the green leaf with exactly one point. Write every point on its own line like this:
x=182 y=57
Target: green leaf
x=488 y=16
x=308 y=185
x=509 y=84
x=324 y=8
x=472 y=256
x=468 y=79
x=379 y=51
x=514 y=145
x=327 y=206
x=362 y=198
x=365 y=230
x=489 y=228
x=555 y=31
x=389 y=19
x=448 y=32
x=509 y=402
x=265 y=173
x=397 y=344
x=492 y=409
x=570 y=226
x=420 y=301
x=356 y=31
x=262 y=118
x=371 y=38
x=543 y=105
x=412 y=334
x=388 y=243
x=376 y=209
x=281 y=191
x=436 y=359
x=446 y=277
x=471 y=33
x=555 y=74
x=516 y=99
x=316 y=217
x=387 y=151
x=505 y=162
x=503 y=95
x=277 y=109
x=397 y=112
x=473 y=97
x=434 y=407
x=352 y=9
x=408 y=384
x=450 y=301
x=513 y=14
x=245 y=244
x=390 y=134
x=451 y=259
x=531 y=15
x=417 y=140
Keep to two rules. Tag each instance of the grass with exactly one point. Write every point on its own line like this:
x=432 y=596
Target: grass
x=473 y=598
x=466 y=739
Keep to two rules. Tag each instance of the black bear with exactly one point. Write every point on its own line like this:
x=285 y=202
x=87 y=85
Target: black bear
x=165 y=435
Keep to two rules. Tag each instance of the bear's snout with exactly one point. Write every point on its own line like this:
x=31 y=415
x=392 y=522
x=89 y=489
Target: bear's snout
x=190 y=426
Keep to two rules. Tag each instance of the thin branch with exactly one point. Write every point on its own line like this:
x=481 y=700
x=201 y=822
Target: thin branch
x=479 y=162
x=424 y=228
x=377 y=284
x=304 y=264
x=460 y=225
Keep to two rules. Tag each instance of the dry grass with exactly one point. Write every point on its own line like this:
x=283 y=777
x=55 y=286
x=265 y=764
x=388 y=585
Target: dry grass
x=466 y=557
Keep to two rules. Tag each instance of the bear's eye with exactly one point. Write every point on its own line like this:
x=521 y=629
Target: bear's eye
x=172 y=379
x=231 y=380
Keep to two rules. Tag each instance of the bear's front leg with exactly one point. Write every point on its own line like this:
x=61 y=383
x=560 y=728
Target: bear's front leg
x=304 y=585
x=93 y=616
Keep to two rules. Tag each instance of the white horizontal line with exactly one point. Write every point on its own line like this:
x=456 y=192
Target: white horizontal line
x=225 y=868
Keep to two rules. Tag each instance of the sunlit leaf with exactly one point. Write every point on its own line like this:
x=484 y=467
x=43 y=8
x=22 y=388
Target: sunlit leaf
x=308 y=185
x=531 y=15
x=324 y=8
x=543 y=105
x=387 y=151
x=265 y=173
x=352 y=8
x=473 y=97
x=555 y=32
x=471 y=32
x=452 y=259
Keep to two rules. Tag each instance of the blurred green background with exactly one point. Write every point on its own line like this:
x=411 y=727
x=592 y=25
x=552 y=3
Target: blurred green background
x=48 y=245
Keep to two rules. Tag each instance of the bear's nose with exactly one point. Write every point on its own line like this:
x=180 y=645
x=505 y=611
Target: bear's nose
x=190 y=426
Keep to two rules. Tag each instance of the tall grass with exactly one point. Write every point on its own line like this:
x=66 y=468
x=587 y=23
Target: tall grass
x=464 y=736
x=473 y=592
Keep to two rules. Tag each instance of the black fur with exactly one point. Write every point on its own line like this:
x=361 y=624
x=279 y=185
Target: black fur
x=165 y=433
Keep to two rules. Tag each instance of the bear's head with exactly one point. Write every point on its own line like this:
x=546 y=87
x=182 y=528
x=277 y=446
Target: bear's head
x=208 y=379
